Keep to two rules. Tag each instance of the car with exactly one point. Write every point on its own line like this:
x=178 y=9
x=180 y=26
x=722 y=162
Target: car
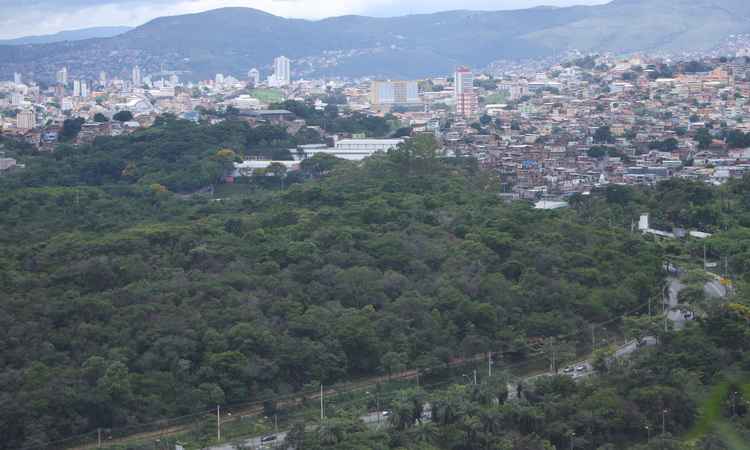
x=386 y=413
x=568 y=370
x=580 y=368
x=269 y=438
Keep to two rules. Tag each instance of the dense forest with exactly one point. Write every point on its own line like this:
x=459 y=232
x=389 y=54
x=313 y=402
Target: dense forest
x=691 y=392
x=124 y=302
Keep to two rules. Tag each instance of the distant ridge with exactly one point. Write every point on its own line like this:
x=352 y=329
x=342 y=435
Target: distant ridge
x=233 y=40
x=70 y=35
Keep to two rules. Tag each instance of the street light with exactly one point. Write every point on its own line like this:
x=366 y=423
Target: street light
x=664 y=422
x=648 y=433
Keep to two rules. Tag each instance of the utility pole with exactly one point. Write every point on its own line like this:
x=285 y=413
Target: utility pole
x=593 y=337
x=218 y=423
x=321 y=403
x=705 y=261
x=489 y=364
x=475 y=377
x=98 y=438
x=664 y=422
x=276 y=423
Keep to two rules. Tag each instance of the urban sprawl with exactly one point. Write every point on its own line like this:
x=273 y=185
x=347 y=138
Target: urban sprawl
x=591 y=121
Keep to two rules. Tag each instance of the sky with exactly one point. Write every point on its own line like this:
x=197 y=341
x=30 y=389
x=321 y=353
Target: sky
x=37 y=17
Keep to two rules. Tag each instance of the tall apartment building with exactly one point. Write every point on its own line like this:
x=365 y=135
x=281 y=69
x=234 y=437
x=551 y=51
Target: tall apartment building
x=17 y=78
x=62 y=76
x=394 y=93
x=254 y=76
x=464 y=93
x=282 y=72
x=26 y=120
x=76 y=88
x=136 y=77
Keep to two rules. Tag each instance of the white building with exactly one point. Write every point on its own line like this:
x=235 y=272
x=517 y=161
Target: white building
x=394 y=93
x=84 y=89
x=136 y=77
x=282 y=73
x=254 y=76
x=464 y=93
x=17 y=78
x=103 y=78
x=353 y=149
x=247 y=168
x=26 y=120
x=76 y=88
x=62 y=76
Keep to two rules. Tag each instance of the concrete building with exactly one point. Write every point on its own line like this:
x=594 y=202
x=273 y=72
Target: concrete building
x=352 y=149
x=26 y=120
x=76 y=88
x=17 y=78
x=282 y=73
x=136 y=77
x=62 y=76
x=391 y=93
x=464 y=94
x=254 y=76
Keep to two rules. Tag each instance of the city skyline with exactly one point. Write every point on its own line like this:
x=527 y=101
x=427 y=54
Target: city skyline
x=38 y=17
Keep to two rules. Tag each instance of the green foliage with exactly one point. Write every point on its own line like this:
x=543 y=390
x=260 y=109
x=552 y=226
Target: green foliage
x=123 y=303
x=70 y=129
x=123 y=116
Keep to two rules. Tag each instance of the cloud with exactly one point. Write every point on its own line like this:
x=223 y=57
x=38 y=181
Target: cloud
x=34 y=17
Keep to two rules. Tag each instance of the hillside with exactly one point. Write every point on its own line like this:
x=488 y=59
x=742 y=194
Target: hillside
x=123 y=303
x=232 y=40
x=71 y=35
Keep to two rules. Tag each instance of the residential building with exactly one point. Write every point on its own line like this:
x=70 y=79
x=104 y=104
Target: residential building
x=254 y=76
x=136 y=77
x=394 y=93
x=465 y=96
x=282 y=74
x=62 y=76
x=26 y=120
x=17 y=78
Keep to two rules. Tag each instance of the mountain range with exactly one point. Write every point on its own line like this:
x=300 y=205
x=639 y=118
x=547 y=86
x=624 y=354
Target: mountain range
x=71 y=35
x=233 y=40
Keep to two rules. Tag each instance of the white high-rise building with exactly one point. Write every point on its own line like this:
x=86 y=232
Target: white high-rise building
x=282 y=73
x=26 y=120
x=84 y=88
x=254 y=76
x=219 y=78
x=137 y=78
x=17 y=78
x=62 y=76
x=103 y=78
x=76 y=88
x=464 y=93
x=394 y=93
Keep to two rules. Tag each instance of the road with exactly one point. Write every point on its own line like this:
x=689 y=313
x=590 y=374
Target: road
x=577 y=371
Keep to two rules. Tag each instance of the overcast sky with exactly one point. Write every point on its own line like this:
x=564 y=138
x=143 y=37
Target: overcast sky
x=35 y=17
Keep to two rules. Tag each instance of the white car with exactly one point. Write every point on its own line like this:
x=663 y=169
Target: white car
x=580 y=368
